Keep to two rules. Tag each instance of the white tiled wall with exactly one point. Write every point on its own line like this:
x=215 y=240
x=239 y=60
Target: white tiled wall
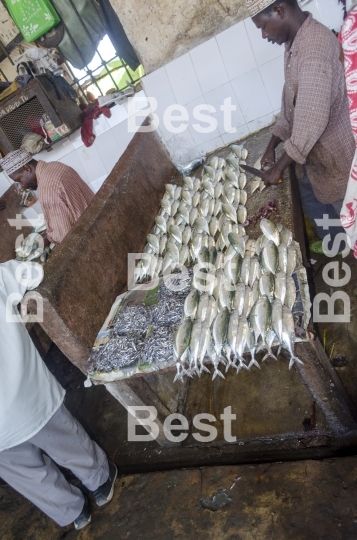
x=237 y=63
x=93 y=164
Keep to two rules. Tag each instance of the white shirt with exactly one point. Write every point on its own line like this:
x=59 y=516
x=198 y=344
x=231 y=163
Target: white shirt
x=29 y=394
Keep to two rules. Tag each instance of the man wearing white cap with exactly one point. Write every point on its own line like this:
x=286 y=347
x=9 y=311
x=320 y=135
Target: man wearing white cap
x=62 y=193
x=314 y=122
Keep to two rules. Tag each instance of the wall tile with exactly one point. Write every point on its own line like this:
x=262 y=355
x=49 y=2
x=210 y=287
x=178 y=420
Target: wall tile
x=119 y=114
x=108 y=149
x=260 y=123
x=122 y=137
x=208 y=63
x=212 y=145
x=101 y=124
x=252 y=96
x=236 y=51
x=200 y=138
x=312 y=8
x=5 y=183
x=217 y=98
x=136 y=103
x=97 y=184
x=183 y=79
x=331 y=13
x=92 y=164
x=76 y=139
x=273 y=78
x=263 y=51
x=72 y=160
x=59 y=150
x=241 y=133
x=157 y=85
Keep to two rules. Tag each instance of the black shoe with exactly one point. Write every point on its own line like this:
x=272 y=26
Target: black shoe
x=105 y=492
x=84 y=517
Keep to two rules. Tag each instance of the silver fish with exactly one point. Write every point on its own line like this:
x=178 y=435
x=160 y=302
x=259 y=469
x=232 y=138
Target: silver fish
x=251 y=348
x=213 y=226
x=188 y=182
x=203 y=208
x=290 y=296
x=269 y=257
x=254 y=272
x=234 y=163
x=243 y=331
x=173 y=251
x=166 y=205
x=286 y=236
x=214 y=162
x=211 y=205
x=208 y=187
x=233 y=330
x=243 y=197
x=203 y=256
x=167 y=264
x=170 y=189
x=262 y=317
x=153 y=242
x=186 y=235
x=211 y=243
x=217 y=207
x=233 y=268
x=242 y=213
x=244 y=153
x=226 y=229
x=236 y=201
x=212 y=255
x=237 y=150
x=291 y=264
x=204 y=344
x=268 y=228
x=221 y=163
x=218 y=191
x=209 y=171
x=212 y=311
x=218 y=282
x=230 y=194
x=283 y=257
x=202 y=307
x=196 y=199
x=237 y=242
x=239 y=297
x=178 y=191
x=182 y=338
x=186 y=197
x=255 y=291
x=242 y=181
x=230 y=212
x=193 y=215
x=232 y=178
x=174 y=208
x=220 y=175
x=277 y=318
x=161 y=223
x=248 y=301
x=176 y=233
x=288 y=336
x=220 y=330
x=196 y=184
x=255 y=184
x=280 y=286
x=250 y=247
x=191 y=304
x=267 y=285
x=196 y=245
x=162 y=244
x=201 y=224
x=184 y=255
x=245 y=270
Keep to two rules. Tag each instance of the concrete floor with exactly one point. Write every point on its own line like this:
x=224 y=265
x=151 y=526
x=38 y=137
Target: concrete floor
x=279 y=501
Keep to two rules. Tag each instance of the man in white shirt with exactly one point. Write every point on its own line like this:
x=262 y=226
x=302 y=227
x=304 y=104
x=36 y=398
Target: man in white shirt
x=33 y=419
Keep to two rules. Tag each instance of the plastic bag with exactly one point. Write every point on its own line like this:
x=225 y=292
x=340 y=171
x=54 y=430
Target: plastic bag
x=32 y=17
x=184 y=156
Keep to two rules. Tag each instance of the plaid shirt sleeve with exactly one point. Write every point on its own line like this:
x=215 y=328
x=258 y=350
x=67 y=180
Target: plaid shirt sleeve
x=282 y=128
x=312 y=109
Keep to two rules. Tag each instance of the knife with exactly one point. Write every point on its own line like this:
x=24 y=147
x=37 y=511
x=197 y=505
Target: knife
x=256 y=172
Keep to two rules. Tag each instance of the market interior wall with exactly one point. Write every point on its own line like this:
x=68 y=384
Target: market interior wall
x=165 y=29
x=237 y=63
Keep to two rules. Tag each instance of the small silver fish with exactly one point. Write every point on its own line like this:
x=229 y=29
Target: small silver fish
x=290 y=296
x=291 y=264
x=269 y=229
x=153 y=242
x=242 y=213
x=280 y=286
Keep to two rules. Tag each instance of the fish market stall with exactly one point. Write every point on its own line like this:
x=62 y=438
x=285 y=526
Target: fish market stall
x=191 y=325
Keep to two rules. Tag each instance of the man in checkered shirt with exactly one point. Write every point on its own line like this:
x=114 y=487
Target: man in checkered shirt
x=314 y=122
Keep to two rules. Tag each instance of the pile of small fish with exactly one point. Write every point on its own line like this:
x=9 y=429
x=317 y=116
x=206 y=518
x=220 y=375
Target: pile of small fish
x=143 y=334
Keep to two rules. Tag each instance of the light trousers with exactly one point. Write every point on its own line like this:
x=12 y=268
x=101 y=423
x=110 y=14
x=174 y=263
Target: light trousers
x=37 y=477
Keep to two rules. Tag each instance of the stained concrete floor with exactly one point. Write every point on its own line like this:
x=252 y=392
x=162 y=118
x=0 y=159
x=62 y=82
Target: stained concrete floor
x=279 y=501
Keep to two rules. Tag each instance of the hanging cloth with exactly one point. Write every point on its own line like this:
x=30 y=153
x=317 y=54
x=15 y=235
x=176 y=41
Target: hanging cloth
x=118 y=36
x=85 y=30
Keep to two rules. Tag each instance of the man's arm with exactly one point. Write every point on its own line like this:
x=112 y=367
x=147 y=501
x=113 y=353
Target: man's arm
x=311 y=115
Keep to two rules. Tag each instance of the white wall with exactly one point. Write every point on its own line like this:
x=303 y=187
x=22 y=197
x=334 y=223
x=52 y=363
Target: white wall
x=93 y=164
x=237 y=63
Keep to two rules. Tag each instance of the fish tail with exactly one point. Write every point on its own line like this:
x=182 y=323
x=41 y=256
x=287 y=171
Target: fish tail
x=253 y=362
x=294 y=359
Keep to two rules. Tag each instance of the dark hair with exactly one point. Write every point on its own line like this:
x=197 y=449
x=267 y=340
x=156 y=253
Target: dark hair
x=269 y=9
